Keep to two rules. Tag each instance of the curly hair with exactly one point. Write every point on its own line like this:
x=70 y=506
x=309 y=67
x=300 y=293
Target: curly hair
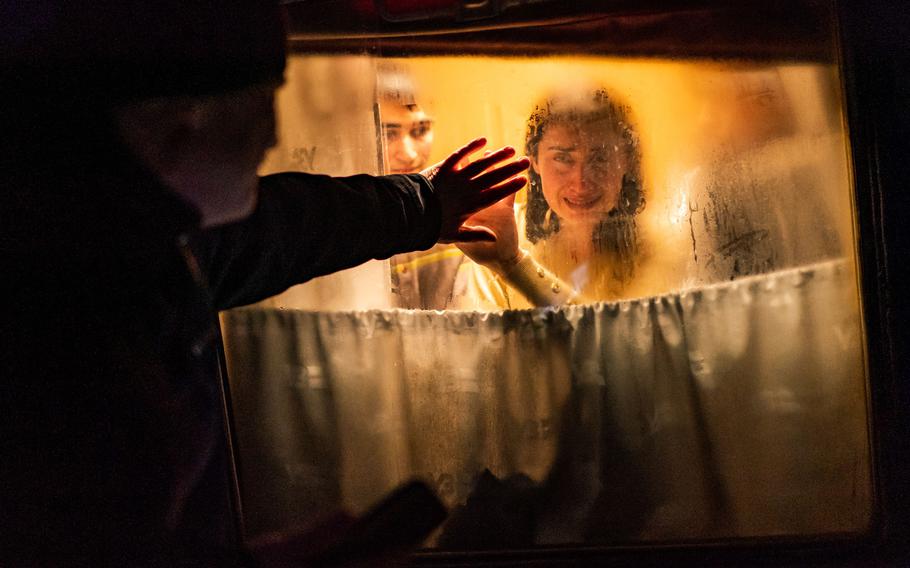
x=616 y=232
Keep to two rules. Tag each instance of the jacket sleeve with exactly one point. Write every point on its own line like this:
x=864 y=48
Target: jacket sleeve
x=310 y=225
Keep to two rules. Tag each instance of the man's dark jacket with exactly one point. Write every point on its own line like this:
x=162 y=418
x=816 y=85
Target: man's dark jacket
x=112 y=446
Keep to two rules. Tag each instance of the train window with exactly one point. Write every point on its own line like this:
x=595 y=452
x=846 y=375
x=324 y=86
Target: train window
x=684 y=361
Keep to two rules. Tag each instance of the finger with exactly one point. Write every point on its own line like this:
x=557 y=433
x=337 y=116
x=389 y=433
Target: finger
x=501 y=191
x=479 y=217
x=466 y=234
x=456 y=156
x=487 y=161
x=502 y=173
x=466 y=160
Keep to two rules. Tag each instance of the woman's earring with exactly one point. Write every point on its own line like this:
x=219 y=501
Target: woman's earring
x=548 y=218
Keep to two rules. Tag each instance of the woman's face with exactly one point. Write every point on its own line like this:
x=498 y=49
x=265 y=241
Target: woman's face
x=581 y=167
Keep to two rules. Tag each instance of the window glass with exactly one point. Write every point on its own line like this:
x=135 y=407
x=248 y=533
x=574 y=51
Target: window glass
x=705 y=377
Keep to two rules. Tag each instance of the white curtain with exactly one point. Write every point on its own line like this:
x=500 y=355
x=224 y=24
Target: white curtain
x=734 y=410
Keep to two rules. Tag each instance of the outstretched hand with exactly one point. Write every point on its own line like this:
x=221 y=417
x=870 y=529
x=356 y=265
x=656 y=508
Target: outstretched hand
x=503 y=254
x=465 y=190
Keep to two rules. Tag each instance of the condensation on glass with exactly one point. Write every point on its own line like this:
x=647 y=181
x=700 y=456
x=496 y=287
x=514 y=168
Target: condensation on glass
x=717 y=390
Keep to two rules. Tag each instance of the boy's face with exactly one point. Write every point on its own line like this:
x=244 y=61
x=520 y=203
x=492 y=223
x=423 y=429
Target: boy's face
x=408 y=135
